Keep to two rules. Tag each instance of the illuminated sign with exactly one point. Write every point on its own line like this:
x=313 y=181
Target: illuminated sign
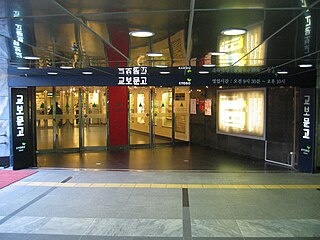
x=307 y=28
x=19 y=36
x=130 y=76
x=242 y=113
x=20 y=115
x=237 y=47
x=306 y=117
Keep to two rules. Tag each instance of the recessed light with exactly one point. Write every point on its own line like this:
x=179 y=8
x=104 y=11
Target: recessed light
x=87 y=73
x=154 y=54
x=203 y=72
x=233 y=31
x=31 y=58
x=306 y=65
x=208 y=65
x=164 y=72
x=218 y=53
x=161 y=66
x=23 y=68
x=282 y=72
x=141 y=34
x=52 y=73
x=66 y=67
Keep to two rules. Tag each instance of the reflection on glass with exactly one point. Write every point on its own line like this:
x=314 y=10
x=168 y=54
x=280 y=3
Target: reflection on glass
x=181 y=110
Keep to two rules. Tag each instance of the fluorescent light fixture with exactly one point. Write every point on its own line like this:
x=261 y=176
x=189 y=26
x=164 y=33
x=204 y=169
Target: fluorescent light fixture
x=164 y=73
x=141 y=34
x=23 y=68
x=203 y=72
x=208 y=65
x=31 y=58
x=282 y=72
x=305 y=65
x=87 y=73
x=218 y=53
x=154 y=54
x=161 y=66
x=233 y=31
x=66 y=67
x=52 y=73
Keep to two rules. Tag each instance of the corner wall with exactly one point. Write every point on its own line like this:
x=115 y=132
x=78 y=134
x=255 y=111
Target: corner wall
x=4 y=90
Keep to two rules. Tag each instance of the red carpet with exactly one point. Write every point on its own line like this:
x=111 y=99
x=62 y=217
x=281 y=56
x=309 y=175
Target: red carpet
x=8 y=177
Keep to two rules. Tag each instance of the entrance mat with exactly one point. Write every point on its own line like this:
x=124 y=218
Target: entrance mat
x=8 y=177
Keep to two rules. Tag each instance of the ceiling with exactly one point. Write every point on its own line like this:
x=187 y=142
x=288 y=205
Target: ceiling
x=280 y=33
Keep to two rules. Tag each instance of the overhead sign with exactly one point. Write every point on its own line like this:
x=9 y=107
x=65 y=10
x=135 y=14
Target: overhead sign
x=23 y=149
x=133 y=76
x=306 y=153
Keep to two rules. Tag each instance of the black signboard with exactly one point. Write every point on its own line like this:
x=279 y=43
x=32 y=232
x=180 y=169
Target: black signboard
x=22 y=136
x=307 y=132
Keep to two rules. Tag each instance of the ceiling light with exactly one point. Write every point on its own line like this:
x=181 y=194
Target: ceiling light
x=164 y=72
x=23 y=68
x=141 y=34
x=161 y=66
x=87 y=73
x=52 y=73
x=218 y=53
x=305 y=65
x=208 y=65
x=233 y=31
x=203 y=72
x=66 y=67
x=154 y=54
x=31 y=58
x=282 y=72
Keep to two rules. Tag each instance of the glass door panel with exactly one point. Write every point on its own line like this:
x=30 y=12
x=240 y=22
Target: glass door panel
x=44 y=122
x=139 y=115
x=181 y=112
x=67 y=130
x=162 y=110
x=94 y=116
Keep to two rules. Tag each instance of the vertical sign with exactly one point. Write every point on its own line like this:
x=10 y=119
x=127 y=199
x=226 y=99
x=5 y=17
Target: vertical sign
x=193 y=106
x=207 y=106
x=306 y=150
x=23 y=149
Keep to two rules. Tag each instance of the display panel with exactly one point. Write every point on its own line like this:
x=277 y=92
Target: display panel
x=242 y=113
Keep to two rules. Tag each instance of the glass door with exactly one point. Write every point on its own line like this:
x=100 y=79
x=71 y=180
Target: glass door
x=139 y=116
x=94 y=117
x=162 y=115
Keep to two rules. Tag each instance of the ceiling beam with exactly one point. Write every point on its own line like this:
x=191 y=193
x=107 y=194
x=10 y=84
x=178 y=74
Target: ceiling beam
x=189 y=38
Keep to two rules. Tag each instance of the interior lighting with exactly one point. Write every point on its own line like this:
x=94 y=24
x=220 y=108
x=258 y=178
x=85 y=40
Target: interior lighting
x=154 y=54
x=203 y=72
x=52 y=73
x=306 y=65
x=141 y=34
x=66 y=67
x=161 y=66
x=218 y=53
x=208 y=65
x=282 y=72
x=87 y=73
x=23 y=68
x=164 y=72
x=31 y=58
x=233 y=31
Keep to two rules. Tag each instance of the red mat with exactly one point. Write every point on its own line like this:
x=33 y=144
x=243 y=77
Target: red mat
x=8 y=177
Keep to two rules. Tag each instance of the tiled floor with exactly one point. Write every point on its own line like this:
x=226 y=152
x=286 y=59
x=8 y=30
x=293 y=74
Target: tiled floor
x=92 y=205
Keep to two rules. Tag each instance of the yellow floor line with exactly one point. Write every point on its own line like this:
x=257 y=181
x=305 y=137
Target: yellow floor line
x=176 y=186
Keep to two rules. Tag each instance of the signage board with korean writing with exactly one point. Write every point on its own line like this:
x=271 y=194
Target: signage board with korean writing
x=241 y=112
x=23 y=149
x=307 y=135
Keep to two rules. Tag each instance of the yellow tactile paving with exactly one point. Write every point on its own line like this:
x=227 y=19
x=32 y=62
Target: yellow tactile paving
x=176 y=186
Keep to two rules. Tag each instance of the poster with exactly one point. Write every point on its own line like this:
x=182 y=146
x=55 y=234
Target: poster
x=193 y=106
x=207 y=106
